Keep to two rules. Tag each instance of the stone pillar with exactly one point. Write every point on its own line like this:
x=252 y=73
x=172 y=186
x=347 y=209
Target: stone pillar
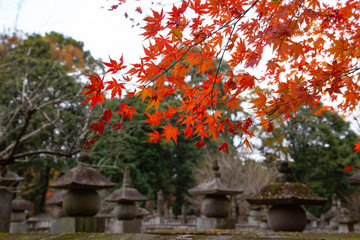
x=159 y=217
x=160 y=203
x=5 y=209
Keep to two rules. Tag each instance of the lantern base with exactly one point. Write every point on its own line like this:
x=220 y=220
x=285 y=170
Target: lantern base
x=206 y=223
x=125 y=226
x=79 y=224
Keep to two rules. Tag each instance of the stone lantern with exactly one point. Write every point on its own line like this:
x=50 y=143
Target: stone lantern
x=126 y=210
x=82 y=183
x=286 y=198
x=216 y=206
x=125 y=197
x=6 y=182
x=19 y=207
x=56 y=201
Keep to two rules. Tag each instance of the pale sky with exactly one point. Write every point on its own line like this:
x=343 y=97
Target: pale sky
x=103 y=32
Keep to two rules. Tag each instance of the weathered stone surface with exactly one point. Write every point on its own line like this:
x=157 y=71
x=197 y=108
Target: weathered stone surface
x=214 y=185
x=82 y=177
x=286 y=193
x=19 y=204
x=126 y=193
x=10 y=178
x=80 y=224
x=354 y=179
x=287 y=218
x=5 y=210
x=57 y=198
x=82 y=202
x=125 y=211
x=179 y=236
x=216 y=206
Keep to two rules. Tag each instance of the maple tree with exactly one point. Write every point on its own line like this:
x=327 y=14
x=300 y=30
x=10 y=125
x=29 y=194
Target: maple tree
x=290 y=52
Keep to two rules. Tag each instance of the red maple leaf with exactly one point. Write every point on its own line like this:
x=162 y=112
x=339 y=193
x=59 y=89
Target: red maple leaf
x=107 y=115
x=94 y=90
x=116 y=126
x=348 y=168
x=138 y=9
x=200 y=143
x=115 y=88
x=98 y=127
x=224 y=147
x=89 y=143
x=114 y=66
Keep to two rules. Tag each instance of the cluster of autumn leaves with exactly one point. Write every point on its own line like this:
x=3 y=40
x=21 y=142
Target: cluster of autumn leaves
x=290 y=53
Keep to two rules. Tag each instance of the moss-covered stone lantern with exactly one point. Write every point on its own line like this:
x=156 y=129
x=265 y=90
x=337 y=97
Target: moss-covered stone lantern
x=286 y=197
x=215 y=204
x=82 y=183
x=125 y=197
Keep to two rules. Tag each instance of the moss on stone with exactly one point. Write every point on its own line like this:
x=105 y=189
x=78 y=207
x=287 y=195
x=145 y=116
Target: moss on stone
x=167 y=235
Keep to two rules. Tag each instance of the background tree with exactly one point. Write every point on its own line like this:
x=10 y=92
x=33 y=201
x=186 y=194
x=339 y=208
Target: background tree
x=41 y=120
x=320 y=146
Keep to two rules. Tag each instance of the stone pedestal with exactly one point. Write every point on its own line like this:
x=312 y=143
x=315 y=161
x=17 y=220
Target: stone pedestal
x=346 y=227
x=5 y=210
x=125 y=226
x=158 y=220
x=207 y=223
x=18 y=227
x=79 y=224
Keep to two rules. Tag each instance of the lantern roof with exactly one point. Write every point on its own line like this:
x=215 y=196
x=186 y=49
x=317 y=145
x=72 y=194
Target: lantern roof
x=82 y=177
x=126 y=193
x=287 y=191
x=214 y=185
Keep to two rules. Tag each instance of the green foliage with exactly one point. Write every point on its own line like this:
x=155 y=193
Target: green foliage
x=40 y=107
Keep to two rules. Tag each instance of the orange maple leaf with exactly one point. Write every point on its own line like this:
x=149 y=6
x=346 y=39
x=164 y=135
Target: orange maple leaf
x=155 y=136
x=260 y=101
x=357 y=147
x=154 y=118
x=126 y=110
x=170 y=132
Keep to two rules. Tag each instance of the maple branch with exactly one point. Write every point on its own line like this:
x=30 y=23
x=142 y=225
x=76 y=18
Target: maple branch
x=27 y=121
x=10 y=160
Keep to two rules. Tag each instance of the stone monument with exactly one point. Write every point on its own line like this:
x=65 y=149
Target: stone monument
x=19 y=207
x=7 y=181
x=82 y=201
x=216 y=205
x=126 y=210
x=286 y=197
